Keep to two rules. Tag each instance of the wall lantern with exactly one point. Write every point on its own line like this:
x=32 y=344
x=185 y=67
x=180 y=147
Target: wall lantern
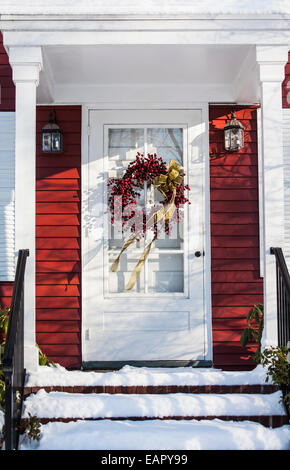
x=234 y=134
x=51 y=135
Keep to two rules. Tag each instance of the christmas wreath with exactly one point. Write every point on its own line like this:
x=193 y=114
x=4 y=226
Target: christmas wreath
x=123 y=202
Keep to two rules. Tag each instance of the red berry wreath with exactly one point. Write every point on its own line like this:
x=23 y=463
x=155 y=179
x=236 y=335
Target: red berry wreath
x=125 y=191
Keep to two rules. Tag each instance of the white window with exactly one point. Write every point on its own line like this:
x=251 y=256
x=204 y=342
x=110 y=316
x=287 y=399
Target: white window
x=7 y=165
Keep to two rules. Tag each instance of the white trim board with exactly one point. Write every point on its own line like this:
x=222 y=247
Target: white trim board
x=286 y=162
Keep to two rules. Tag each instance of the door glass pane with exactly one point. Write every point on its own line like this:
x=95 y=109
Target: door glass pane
x=165 y=273
x=119 y=280
x=166 y=142
x=123 y=147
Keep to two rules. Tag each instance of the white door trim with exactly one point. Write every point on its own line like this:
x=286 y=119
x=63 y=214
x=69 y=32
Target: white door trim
x=206 y=211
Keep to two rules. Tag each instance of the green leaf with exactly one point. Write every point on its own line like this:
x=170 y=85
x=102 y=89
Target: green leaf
x=246 y=337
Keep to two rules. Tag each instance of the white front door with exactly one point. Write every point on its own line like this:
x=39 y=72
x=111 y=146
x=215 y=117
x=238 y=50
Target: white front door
x=163 y=318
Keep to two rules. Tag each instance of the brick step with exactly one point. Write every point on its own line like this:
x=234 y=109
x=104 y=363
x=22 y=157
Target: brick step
x=273 y=421
x=265 y=409
x=157 y=389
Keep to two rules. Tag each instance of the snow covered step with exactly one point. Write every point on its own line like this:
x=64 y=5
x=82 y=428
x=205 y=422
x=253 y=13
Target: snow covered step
x=65 y=406
x=159 y=435
x=149 y=380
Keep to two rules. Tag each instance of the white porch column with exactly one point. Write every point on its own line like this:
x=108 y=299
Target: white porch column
x=26 y=63
x=271 y=62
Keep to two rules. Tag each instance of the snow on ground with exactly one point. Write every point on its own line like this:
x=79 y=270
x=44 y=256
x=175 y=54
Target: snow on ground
x=130 y=376
x=160 y=435
x=76 y=405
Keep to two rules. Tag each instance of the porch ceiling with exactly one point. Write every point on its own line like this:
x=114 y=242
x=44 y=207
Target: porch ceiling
x=143 y=72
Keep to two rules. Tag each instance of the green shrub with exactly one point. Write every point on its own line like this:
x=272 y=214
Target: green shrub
x=254 y=330
x=274 y=359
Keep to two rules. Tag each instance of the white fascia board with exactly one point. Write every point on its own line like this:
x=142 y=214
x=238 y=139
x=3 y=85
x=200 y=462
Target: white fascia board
x=83 y=93
x=147 y=22
x=199 y=37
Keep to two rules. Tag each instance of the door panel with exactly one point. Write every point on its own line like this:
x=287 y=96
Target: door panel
x=163 y=317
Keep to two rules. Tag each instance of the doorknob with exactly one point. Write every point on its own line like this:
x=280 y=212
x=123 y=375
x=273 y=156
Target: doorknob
x=197 y=254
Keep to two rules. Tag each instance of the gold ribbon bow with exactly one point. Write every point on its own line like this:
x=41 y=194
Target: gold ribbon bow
x=166 y=184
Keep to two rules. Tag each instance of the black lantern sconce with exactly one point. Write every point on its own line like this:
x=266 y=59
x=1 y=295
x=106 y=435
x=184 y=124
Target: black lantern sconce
x=51 y=136
x=234 y=134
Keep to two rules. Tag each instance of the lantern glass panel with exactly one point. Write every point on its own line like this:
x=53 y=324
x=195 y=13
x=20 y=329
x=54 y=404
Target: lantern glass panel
x=56 y=142
x=227 y=139
x=46 y=142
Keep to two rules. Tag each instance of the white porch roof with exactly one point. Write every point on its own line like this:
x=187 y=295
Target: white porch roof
x=147 y=73
x=126 y=50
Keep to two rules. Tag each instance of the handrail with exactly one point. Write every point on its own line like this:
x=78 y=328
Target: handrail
x=283 y=310
x=283 y=297
x=13 y=358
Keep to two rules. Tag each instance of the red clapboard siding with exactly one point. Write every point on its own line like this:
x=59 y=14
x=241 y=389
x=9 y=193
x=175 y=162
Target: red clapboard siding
x=50 y=314
x=236 y=217
x=6 y=289
x=67 y=354
x=58 y=278
x=7 y=88
x=58 y=219
x=57 y=231
x=233 y=171
x=231 y=241
x=229 y=312
x=233 y=277
x=58 y=338
x=232 y=206
x=58 y=267
x=57 y=208
x=50 y=184
x=234 y=230
x=56 y=162
x=58 y=243
x=235 y=264
x=236 y=288
x=58 y=255
x=238 y=159
x=57 y=290
x=236 y=282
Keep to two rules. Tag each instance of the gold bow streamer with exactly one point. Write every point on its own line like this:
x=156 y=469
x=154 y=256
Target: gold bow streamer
x=165 y=184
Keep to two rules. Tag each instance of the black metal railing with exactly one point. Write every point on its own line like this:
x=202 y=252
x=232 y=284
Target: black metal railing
x=13 y=359
x=283 y=311
x=283 y=297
